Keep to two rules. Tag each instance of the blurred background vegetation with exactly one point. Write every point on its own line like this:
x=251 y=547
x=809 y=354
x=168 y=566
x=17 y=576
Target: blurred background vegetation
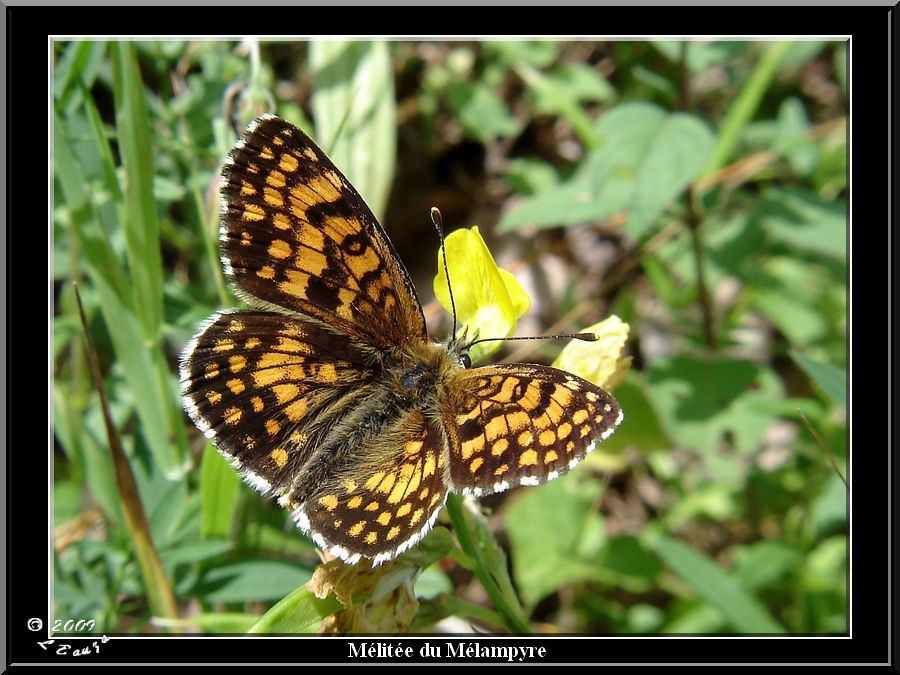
x=697 y=190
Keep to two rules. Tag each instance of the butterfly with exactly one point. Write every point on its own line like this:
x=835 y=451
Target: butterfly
x=329 y=395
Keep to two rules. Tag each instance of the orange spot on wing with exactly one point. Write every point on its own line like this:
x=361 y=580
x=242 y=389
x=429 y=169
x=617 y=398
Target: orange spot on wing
x=296 y=410
x=280 y=457
x=279 y=249
x=528 y=458
x=288 y=163
x=329 y=502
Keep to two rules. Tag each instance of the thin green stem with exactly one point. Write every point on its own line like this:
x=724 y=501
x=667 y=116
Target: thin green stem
x=745 y=105
x=207 y=224
x=692 y=216
x=473 y=611
x=508 y=607
x=159 y=589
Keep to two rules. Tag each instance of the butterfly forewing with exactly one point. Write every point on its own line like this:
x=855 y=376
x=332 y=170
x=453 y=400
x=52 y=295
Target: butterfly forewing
x=296 y=235
x=522 y=424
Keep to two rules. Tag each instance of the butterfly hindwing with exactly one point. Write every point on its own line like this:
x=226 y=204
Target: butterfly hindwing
x=385 y=498
x=266 y=388
x=522 y=424
x=296 y=235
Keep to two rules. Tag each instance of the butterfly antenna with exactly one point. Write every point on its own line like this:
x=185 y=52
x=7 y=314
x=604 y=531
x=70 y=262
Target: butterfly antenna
x=439 y=224
x=586 y=337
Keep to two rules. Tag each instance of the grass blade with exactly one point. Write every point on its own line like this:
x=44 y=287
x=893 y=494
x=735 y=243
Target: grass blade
x=159 y=590
x=744 y=106
x=219 y=485
x=743 y=611
x=354 y=111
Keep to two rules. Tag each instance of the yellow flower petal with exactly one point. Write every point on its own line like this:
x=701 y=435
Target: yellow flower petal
x=489 y=300
x=600 y=362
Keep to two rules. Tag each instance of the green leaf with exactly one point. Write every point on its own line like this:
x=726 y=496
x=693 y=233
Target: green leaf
x=828 y=512
x=141 y=225
x=661 y=88
x=66 y=501
x=215 y=623
x=252 y=580
x=481 y=112
x=826 y=566
x=830 y=379
x=673 y=155
x=702 y=55
x=628 y=557
x=702 y=399
x=82 y=444
x=299 y=612
x=194 y=551
x=584 y=82
x=764 y=563
x=538 y=53
x=645 y=158
x=75 y=70
x=355 y=116
x=802 y=323
x=546 y=530
x=805 y=300
x=802 y=52
x=641 y=427
x=528 y=175
x=219 y=484
x=791 y=137
x=698 y=619
x=143 y=367
x=553 y=95
x=714 y=585
x=840 y=66
x=432 y=581
x=711 y=502
x=804 y=221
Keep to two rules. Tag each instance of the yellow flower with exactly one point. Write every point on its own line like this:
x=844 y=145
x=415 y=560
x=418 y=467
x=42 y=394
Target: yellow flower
x=601 y=361
x=489 y=300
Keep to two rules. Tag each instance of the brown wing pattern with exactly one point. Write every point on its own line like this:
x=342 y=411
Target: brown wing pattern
x=522 y=424
x=386 y=499
x=295 y=234
x=265 y=388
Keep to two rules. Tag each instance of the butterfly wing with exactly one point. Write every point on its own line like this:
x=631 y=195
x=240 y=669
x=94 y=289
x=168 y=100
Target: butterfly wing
x=267 y=388
x=385 y=498
x=296 y=235
x=522 y=424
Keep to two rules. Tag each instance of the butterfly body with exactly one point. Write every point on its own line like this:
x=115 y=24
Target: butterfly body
x=329 y=394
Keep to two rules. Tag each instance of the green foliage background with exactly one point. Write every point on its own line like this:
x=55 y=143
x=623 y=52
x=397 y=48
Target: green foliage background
x=710 y=177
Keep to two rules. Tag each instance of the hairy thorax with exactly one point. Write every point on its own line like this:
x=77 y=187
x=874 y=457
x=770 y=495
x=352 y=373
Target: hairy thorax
x=420 y=373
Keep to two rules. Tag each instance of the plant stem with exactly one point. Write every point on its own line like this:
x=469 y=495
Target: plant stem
x=692 y=215
x=159 y=590
x=745 y=105
x=508 y=607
